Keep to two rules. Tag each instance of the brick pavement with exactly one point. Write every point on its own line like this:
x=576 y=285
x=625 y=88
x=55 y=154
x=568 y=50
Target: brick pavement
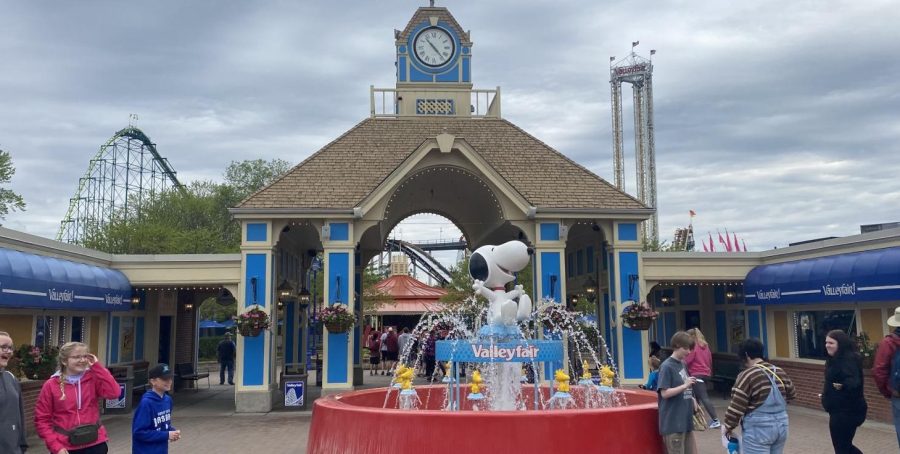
x=209 y=424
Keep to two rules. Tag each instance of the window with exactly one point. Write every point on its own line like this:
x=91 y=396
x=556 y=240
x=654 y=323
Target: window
x=42 y=336
x=736 y=330
x=126 y=337
x=810 y=328
x=77 y=329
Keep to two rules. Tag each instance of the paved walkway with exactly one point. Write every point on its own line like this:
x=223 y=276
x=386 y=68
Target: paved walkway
x=209 y=424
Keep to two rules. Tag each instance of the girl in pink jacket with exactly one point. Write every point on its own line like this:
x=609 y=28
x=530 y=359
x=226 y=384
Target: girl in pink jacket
x=699 y=365
x=70 y=399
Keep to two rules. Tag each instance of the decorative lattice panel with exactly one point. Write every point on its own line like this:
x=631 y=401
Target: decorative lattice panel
x=434 y=107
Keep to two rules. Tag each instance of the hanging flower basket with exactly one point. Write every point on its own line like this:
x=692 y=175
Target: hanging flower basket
x=337 y=327
x=252 y=323
x=640 y=324
x=250 y=332
x=639 y=316
x=337 y=318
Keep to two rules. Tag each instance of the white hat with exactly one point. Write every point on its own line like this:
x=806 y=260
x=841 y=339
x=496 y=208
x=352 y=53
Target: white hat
x=895 y=320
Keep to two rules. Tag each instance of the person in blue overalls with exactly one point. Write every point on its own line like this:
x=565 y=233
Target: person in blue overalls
x=761 y=413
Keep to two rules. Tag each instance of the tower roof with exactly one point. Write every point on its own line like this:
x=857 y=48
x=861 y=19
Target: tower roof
x=442 y=14
x=411 y=296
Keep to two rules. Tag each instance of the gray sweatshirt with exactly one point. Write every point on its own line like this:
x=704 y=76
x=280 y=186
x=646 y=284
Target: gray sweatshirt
x=12 y=415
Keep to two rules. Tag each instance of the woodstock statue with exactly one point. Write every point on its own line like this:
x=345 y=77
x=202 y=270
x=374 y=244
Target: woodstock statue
x=492 y=267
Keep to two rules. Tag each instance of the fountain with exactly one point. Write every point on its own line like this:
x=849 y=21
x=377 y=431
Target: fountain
x=504 y=407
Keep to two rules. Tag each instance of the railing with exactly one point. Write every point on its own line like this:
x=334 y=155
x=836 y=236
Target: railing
x=387 y=102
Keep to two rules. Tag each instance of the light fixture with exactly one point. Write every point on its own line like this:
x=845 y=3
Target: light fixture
x=303 y=297
x=729 y=295
x=188 y=307
x=135 y=300
x=590 y=289
x=337 y=291
x=285 y=292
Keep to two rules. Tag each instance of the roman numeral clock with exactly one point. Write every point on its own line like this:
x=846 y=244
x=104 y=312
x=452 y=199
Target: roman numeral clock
x=433 y=65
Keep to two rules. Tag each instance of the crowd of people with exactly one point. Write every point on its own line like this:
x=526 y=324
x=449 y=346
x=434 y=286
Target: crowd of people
x=67 y=417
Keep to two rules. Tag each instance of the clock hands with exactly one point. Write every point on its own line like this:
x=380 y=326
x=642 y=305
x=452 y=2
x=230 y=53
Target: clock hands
x=433 y=47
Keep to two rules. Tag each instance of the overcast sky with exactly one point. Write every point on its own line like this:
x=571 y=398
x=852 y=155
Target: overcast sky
x=776 y=120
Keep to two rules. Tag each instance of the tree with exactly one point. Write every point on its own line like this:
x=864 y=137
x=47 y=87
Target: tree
x=190 y=221
x=249 y=176
x=372 y=297
x=9 y=200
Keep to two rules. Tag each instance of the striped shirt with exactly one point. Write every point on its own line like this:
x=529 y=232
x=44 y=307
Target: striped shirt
x=751 y=388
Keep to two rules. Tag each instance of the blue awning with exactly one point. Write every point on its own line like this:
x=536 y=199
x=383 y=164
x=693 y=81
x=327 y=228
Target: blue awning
x=35 y=281
x=845 y=278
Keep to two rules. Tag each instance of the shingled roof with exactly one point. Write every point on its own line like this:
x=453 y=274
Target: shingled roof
x=423 y=14
x=344 y=172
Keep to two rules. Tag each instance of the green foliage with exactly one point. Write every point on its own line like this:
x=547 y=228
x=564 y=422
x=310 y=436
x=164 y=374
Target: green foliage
x=247 y=177
x=37 y=363
x=208 y=346
x=210 y=309
x=194 y=220
x=372 y=297
x=9 y=200
x=662 y=246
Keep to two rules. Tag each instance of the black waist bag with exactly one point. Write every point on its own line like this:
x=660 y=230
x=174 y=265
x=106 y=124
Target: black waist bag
x=80 y=435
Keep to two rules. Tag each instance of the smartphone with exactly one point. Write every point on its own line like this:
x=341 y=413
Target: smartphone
x=699 y=380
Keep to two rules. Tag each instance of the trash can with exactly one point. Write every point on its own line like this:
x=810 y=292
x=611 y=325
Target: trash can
x=122 y=404
x=293 y=387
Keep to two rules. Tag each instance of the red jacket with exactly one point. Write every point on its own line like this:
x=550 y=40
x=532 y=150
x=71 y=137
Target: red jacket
x=699 y=362
x=96 y=384
x=882 y=369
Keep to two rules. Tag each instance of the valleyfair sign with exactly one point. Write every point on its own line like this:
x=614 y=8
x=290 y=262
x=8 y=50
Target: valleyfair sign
x=489 y=352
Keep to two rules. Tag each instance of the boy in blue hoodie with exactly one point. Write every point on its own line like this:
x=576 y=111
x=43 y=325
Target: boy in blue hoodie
x=152 y=430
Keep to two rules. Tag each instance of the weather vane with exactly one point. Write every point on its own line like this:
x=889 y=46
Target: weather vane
x=132 y=118
x=431 y=3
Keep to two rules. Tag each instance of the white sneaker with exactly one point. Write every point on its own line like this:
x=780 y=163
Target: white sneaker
x=715 y=424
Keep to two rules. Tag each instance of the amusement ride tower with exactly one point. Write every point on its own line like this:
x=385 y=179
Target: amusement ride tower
x=638 y=72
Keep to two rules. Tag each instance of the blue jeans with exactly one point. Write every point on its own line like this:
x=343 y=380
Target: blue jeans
x=226 y=365
x=764 y=433
x=895 y=409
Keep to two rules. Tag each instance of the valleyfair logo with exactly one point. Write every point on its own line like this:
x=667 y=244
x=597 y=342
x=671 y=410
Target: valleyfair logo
x=839 y=290
x=505 y=353
x=115 y=300
x=62 y=296
x=774 y=294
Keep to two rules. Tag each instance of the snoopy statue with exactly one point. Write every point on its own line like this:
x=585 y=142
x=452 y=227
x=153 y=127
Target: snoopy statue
x=492 y=267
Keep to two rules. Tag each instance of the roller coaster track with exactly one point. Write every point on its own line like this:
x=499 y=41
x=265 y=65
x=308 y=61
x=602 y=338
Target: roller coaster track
x=420 y=258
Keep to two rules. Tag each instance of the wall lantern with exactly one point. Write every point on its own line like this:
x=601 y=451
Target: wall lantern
x=590 y=289
x=285 y=292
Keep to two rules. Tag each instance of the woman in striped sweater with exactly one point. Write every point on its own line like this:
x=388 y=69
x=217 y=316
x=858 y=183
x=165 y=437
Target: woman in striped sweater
x=761 y=413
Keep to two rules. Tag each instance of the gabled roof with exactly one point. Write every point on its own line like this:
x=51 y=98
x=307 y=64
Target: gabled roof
x=347 y=170
x=423 y=14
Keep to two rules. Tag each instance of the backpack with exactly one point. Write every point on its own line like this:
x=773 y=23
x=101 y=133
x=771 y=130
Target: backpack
x=895 y=370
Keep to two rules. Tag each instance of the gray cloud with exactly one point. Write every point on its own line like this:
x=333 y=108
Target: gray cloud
x=776 y=120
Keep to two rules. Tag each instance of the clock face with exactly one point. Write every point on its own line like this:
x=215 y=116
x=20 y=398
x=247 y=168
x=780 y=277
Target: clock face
x=434 y=46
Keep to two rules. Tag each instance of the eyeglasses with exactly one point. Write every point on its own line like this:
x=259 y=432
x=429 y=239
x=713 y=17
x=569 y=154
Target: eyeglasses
x=79 y=357
x=8 y=348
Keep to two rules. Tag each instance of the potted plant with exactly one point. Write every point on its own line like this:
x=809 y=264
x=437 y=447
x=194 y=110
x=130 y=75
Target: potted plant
x=252 y=322
x=555 y=317
x=37 y=363
x=866 y=349
x=639 y=316
x=337 y=318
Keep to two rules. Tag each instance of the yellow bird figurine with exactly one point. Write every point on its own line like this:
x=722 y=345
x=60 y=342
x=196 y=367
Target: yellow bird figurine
x=562 y=381
x=405 y=376
x=586 y=368
x=476 y=382
x=606 y=376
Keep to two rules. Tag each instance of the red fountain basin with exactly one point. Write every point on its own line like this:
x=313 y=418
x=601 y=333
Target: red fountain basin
x=355 y=422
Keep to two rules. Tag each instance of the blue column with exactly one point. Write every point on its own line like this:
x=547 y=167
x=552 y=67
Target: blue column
x=338 y=348
x=253 y=372
x=550 y=273
x=632 y=340
x=625 y=285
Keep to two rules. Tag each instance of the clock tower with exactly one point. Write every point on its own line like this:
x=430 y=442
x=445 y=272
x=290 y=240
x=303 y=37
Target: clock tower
x=434 y=67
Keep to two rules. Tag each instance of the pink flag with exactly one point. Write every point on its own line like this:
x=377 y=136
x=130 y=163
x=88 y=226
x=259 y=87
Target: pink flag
x=745 y=245
x=712 y=246
x=722 y=240
x=728 y=245
x=737 y=247
x=705 y=247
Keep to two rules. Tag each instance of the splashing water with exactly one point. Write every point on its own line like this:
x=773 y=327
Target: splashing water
x=508 y=386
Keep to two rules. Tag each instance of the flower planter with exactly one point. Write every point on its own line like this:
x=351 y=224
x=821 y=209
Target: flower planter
x=639 y=324
x=250 y=332
x=338 y=327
